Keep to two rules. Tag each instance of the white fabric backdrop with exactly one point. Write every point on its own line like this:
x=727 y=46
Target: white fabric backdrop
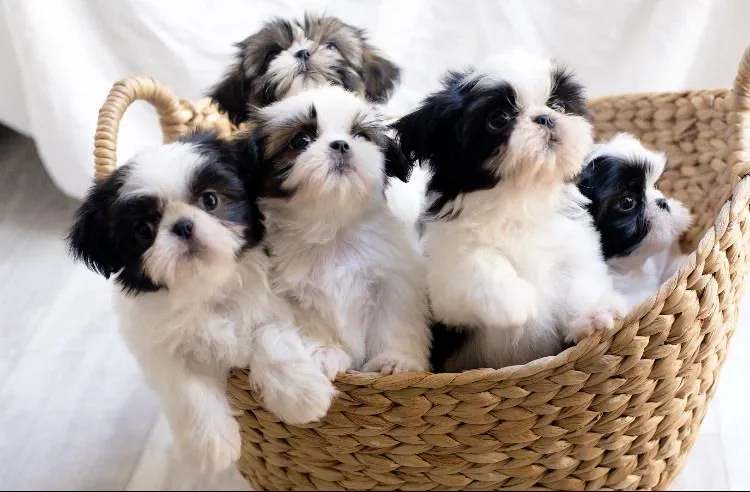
x=59 y=58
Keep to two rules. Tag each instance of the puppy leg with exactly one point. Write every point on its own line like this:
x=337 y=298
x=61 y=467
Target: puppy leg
x=398 y=337
x=591 y=302
x=199 y=415
x=290 y=382
x=331 y=359
x=480 y=288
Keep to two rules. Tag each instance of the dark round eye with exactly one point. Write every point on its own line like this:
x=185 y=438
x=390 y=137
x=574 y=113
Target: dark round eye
x=300 y=141
x=362 y=135
x=625 y=204
x=272 y=53
x=497 y=120
x=144 y=232
x=209 y=200
x=557 y=106
x=330 y=45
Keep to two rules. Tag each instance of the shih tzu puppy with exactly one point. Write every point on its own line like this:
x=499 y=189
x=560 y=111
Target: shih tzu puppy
x=639 y=227
x=338 y=253
x=513 y=260
x=179 y=230
x=286 y=57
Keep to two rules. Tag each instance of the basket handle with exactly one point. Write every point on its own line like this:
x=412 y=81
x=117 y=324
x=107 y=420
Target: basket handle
x=173 y=117
x=740 y=138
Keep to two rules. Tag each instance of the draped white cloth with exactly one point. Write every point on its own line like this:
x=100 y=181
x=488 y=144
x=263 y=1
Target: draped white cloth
x=58 y=59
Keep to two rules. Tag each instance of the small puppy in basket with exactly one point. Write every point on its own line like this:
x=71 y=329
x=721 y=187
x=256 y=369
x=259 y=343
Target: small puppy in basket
x=286 y=57
x=513 y=260
x=639 y=227
x=339 y=254
x=179 y=230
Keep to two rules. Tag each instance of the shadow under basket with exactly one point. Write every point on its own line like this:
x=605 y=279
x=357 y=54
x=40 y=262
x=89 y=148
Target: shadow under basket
x=620 y=410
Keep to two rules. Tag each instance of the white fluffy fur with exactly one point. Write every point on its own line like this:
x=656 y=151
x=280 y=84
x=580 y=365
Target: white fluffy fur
x=641 y=274
x=522 y=262
x=217 y=313
x=342 y=257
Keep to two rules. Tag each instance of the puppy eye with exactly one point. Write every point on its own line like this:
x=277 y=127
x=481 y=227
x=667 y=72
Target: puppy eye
x=557 y=106
x=271 y=54
x=144 y=232
x=300 y=141
x=330 y=45
x=363 y=136
x=625 y=204
x=497 y=120
x=209 y=200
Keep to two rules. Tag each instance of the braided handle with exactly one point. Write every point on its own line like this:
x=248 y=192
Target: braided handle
x=740 y=122
x=174 y=116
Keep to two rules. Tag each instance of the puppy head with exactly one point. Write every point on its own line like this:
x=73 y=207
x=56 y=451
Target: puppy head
x=518 y=119
x=326 y=150
x=287 y=57
x=631 y=214
x=176 y=216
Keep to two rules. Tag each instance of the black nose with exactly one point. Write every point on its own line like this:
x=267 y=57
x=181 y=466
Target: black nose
x=662 y=204
x=544 y=120
x=340 y=145
x=303 y=55
x=183 y=228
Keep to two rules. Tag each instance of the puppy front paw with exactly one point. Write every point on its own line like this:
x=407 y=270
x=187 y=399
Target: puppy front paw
x=603 y=318
x=507 y=307
x=332 y=360
x=392 y=363
x=302 y=394
x=212 y=447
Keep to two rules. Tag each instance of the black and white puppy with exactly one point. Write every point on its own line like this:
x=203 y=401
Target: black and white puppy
x=639 y=227
x=513 y=260
x=288 y=56
x=342 y=258
x=179 y=231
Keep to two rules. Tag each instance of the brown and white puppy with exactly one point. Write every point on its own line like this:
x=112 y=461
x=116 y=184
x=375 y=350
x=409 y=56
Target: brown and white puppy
x=286 y=57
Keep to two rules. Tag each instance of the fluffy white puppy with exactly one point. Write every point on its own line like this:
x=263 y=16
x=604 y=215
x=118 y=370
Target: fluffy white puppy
x=339 y=254
x=513 y=260
x=179 y=230
x=639 y=227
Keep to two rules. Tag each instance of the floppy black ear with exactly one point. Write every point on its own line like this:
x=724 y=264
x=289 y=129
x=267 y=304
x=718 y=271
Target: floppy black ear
x=433 y=128
x=397 y=165
x=90 y=239
x=587 y=180
x=232 y=93
x=381 y=76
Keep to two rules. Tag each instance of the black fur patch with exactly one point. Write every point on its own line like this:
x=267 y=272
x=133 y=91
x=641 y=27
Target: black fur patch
x=456 y=130
x=608 y=181
x=446 y=341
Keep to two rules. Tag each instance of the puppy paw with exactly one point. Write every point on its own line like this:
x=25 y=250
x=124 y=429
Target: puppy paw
x=508 y=307
x=213 y=447
x=603 y=318
x=332 y=360
x=390 y=363
x=301 y=395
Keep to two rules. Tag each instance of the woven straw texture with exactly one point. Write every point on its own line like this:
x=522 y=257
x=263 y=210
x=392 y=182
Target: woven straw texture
x=618 y=411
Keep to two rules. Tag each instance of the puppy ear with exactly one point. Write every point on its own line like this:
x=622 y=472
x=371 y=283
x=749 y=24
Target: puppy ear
x=90 y=240
x=232 y=93
x=433 y=127
x=381 y=76
x=397 y=165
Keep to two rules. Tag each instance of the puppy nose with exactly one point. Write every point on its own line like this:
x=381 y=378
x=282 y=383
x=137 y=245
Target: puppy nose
x=183 y=228
x=340 y=146
x=544 y=120
x=662 y=204
x=303 y=55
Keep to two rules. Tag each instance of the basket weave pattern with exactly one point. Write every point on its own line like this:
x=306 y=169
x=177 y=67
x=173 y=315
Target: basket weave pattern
x=620 y=410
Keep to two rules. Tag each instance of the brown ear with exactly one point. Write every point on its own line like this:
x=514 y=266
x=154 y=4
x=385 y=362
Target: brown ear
x=381 y=75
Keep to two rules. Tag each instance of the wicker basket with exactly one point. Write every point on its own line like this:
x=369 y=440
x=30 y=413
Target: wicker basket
x=620 y=410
